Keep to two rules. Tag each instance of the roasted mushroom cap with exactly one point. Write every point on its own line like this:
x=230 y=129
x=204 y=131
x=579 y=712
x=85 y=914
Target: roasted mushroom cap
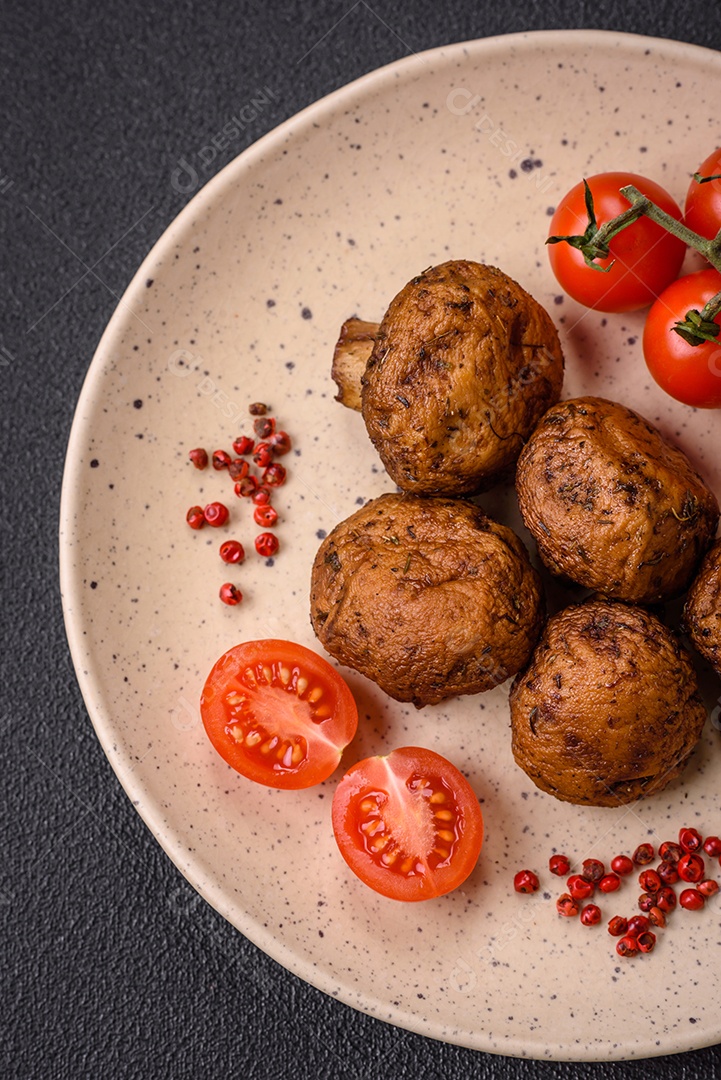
x=611 y=504
x=702 y=613
x=608 y=710
x=464 y=364
x=427 y=597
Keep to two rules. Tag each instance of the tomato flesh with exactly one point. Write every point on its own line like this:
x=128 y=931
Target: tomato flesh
x=689 y=373
x=643 y=258
x=408 y=824
x=702 y=211
x=278 y=713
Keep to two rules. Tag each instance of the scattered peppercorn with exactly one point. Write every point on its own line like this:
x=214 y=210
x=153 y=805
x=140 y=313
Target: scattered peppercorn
x=525 y=881
x=221 y=460
x=579 y=887
x=593 y=870
x=691 y=868
x=216 y=514
x=265 y=516
x=232 y=551
x=199 y=457
x=566 y=905
x=559 y=865
x=690 y=839
x=609 y=883
x=243 y=445
x=692 y=899
x=643 y=854
x=712 y=846
x=230 y=595
x=590 y=915
x=266 y=544
x=195 y=517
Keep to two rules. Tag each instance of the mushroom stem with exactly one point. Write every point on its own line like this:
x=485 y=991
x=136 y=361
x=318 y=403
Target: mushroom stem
x=352 y=351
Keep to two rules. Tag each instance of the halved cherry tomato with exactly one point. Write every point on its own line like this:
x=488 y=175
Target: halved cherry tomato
x=278 y=713
x=645 y=257
x=689 y=373
x=409 y=824
x=703 y=201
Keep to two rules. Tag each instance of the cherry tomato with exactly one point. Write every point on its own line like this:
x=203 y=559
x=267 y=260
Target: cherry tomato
x=409 y=824
x=689 y=373
x=643 y=258
x=703 y=201
x=278 y=713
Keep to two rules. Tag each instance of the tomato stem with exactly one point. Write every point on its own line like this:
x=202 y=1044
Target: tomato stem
x=644 y=205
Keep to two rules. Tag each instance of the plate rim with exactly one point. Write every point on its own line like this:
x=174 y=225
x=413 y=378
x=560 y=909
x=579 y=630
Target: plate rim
x=148 y=809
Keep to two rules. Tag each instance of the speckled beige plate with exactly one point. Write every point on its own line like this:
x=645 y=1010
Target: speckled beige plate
x=459 y=152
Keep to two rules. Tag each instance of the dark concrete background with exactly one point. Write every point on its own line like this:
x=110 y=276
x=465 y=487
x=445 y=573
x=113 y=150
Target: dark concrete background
x=112 y=965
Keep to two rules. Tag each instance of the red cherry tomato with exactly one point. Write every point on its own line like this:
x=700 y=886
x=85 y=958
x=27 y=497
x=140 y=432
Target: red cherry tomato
x=689 y=373
x=278 y=713
x=409 y=824
x=647 y=258
x=703 y=201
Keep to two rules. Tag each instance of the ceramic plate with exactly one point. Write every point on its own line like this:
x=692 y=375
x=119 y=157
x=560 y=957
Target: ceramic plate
x=457 y=153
